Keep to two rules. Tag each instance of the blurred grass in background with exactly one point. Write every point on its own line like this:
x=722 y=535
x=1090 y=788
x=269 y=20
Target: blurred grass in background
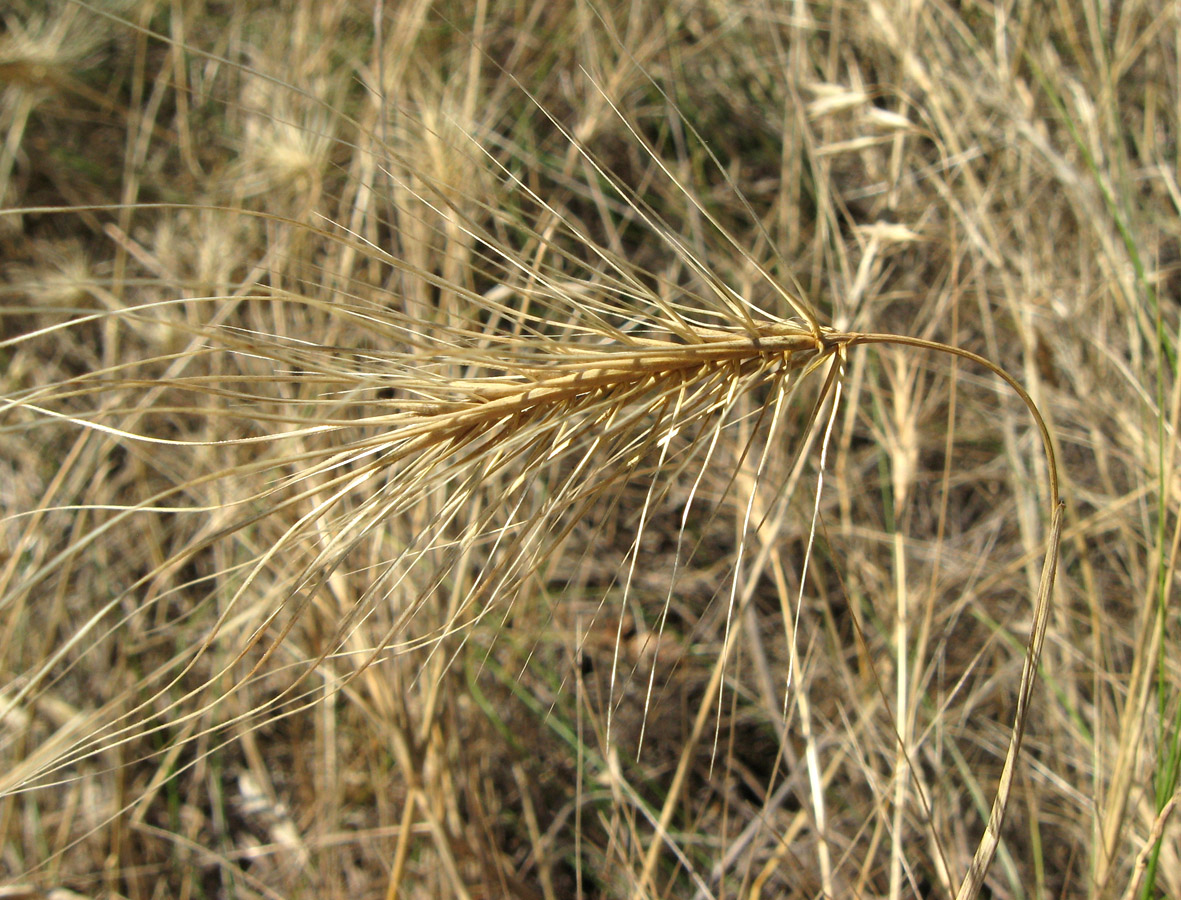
x=227 y=222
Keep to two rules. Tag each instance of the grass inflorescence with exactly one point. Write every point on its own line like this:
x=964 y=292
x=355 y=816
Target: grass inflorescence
x=588 y=450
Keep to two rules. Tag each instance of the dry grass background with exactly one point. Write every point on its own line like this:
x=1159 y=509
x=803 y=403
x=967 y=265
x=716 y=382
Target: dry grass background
x=302 y=596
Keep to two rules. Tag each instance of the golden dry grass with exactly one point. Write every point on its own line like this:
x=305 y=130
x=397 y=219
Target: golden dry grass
x=451 y=450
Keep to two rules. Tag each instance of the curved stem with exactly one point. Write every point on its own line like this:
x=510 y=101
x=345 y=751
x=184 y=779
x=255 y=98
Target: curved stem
x=852 y=339
x=986 y=849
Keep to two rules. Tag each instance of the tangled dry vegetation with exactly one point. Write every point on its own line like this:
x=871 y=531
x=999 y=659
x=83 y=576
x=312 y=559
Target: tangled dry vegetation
x=445 y=452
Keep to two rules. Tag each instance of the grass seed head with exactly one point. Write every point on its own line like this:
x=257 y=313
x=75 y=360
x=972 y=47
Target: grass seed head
x=570 y=450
